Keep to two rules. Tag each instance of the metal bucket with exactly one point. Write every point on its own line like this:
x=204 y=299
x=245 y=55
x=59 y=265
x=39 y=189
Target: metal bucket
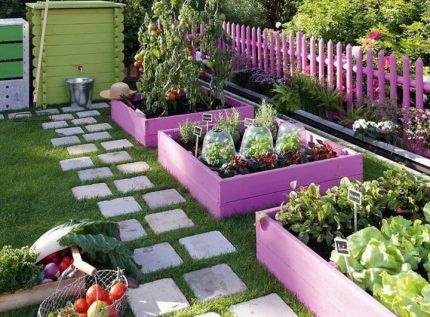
x=80 y=91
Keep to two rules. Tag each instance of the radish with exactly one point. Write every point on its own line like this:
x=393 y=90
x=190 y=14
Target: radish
x=51 y=271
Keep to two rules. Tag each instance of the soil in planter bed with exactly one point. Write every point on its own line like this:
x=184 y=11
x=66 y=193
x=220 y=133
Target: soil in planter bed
x=177 y=107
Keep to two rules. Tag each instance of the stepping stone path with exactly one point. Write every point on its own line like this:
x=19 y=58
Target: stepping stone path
x=1 y=117
x=119 y=206
x=213 y=282
x=88 y=120
x=100 y=105
x=207 y=245
x=95 y=173
x=133 y=184
x=98 y=127
x=54 y=125
x=67 y=140
x=20 y=115
x=116 y=145
x=114 y=157
x=48 y=111
x=60 y=117
x=157 y=257
x=163 y=198
x=133 y=168
x=72 y=109
x=91 y=191
x=168 y=220
x=97 y=136
x=156 y=298
x=69 y=131
x=91 y=113
x=267 y=306
x=82 y=149
x=131 y=230
x=76 y=163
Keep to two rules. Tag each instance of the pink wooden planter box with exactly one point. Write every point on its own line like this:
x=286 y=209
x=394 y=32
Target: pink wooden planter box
x=317 y=284
x=246 y=193
x=145 y=130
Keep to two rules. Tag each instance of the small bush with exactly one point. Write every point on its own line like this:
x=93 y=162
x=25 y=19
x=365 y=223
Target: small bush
x=266 y=117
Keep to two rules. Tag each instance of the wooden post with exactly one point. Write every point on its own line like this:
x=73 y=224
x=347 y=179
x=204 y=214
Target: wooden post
x=419 y=84
x=321 y=62
x=349 y=88
x=285 y=54
x=259 y=45
x=313 y=71
x=292 y=55
x=330 y=66
x=359 y=81
x=369 y=73
x=381 y=78
x=253 y=47
x=393 y=80
x=339 y=68
x=299 y=51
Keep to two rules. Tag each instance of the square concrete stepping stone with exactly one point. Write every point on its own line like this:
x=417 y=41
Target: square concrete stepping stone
x=54 y=125
x=98 y=127
x=207 y=245
x=209 y=315
x=95 y=173
x=156 y=298
x=156 y=257
x=118 y=206
x=97 y=136
x=91 y=191
x=82 y=149
x=64 y=116
x=133 y=184
x=19 y=115
x=76 y=163
x=48 y=111
x=72 y=109
x=88 y=120
x=100 y=105
x=91 y=113
x=163 y=198
x=66 y=140
x=168 y=221
x=1 y=117
x=267 y=306
x=131 y=230
x=115 y=157
x=213 y=282
x=69 y=131
x=133 y=168
x=116 y=144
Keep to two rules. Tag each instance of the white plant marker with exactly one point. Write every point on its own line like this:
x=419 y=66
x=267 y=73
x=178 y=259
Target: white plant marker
x=198 y=134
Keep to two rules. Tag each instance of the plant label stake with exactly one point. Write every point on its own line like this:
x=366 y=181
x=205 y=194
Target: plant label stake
x=249 y=122
x=198 y=134
x=354 y=196
x=342 y=248
x=207 y=117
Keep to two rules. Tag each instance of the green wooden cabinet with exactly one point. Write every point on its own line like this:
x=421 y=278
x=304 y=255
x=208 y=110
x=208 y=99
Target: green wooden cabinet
x=79 y=33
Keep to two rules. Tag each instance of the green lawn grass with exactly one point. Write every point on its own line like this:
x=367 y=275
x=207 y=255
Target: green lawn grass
x=35 y=195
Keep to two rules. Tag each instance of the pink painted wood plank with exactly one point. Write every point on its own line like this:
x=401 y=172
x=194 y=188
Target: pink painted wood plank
x=304 y=272
x=349 y=72
x=369 y=73
x=420 y=83
x=359 y=79
x=339 y=68
x=238 y=38
x=243 y=41
x=265 y=52
x=381 y=77
x=233 y=38
x=305 y=55
x=330 y=65
x=299 y=51
x=285 y=55
x=253 y=47
x=292 y=55
x=248 y=47
x=313 y=69
x=272 y=54
x=259 y=52
x=278 y=55
x=393 y=80
x=321 y=62
x=406 y=84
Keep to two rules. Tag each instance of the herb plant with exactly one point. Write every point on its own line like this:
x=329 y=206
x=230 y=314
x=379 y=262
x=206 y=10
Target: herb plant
x=288 y=142
x=218 y=148
x=18 y=269
x=265 y=116
x=229 y=123
x=186 y=131
x=257 y=141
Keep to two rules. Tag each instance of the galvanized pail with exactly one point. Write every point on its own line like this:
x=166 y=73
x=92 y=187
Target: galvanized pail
x=80 y=91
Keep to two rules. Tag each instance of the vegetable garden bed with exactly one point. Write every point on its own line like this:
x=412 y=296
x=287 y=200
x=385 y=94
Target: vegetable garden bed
x=318 y=285
x=144 y=130
x=225 y=197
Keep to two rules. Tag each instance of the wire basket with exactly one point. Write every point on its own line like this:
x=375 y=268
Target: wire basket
x=78 y=289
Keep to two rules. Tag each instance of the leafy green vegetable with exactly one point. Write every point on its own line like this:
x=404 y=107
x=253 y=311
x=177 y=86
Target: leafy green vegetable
x=108 y=228
x=18 y=269
x=103 y=251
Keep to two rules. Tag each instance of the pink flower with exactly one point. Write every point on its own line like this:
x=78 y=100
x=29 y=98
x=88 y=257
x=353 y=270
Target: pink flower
x=386 y=62
x=375 y=35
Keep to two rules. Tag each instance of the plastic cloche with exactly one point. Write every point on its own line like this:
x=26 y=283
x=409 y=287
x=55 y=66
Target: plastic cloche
x=256 y=141
x=291 y=137
x=218 y=148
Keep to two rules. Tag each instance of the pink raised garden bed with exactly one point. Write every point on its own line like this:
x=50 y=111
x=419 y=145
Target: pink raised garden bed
x=317 y=284
x=145 y=130
x=225 y=197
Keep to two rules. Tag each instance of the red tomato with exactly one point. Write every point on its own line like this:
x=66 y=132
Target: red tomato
x=81 y=306
x=96 y=292
x=117 y=291
x=54 y=257
x=138 y=64
x=170 y=96
x=67 y=259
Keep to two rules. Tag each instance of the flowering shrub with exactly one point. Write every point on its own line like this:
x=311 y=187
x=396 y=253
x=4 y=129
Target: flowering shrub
x=418 y=129
x=385 y=130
